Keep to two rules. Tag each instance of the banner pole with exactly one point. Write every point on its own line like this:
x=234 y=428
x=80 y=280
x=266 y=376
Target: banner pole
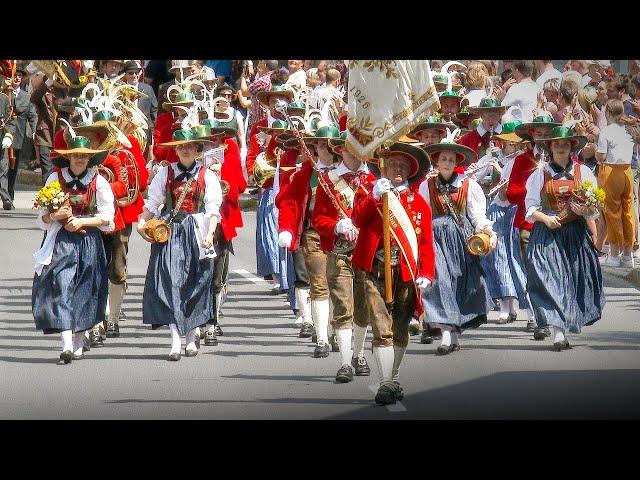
x=388 y=285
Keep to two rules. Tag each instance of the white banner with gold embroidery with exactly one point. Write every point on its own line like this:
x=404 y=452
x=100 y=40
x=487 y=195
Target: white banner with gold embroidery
x=387 y=98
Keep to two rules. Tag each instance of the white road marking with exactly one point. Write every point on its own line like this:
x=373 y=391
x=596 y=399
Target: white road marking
x=250 y=276
x=398 y=407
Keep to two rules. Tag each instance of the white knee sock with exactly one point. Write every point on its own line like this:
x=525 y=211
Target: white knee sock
x=384 y=357
x=398 y=354
x=67 y=340
x=303 y=302
x=320 y=314
x=191 y=340
x=176 y=342
x=454 y=337
x=78 y=343
x=446 y=336
x=557 y=334
x=344 y=341
x=359 y=338
x=504 y=308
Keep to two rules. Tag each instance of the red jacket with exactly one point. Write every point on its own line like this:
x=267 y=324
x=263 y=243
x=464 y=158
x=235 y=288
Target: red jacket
x=162 y=133
x=325 y=215
x=473 y=140
x=366 y=217
x=231 y=172
x=254 y=147
x=523 y=165
x=293 y=205
x=130 y=213
x=288 y=161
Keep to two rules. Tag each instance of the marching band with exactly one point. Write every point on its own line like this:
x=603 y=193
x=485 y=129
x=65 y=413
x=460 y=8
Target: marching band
x=321 y=225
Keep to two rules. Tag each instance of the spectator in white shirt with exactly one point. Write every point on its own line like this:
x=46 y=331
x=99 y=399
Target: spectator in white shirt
x=524 y=93
x=547 y=72
x=615 y=148
x=476 y=83
x=297 y=76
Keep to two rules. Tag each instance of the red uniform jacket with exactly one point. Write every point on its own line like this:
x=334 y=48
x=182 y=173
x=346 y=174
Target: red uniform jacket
x=293 y=206
x=254 y=147
x=163 y=133
x=473 y=140
x=130 y=213
x=231 y=172
x=523 y=165
x=366 y=217
x=325 y=215
x=288 y=161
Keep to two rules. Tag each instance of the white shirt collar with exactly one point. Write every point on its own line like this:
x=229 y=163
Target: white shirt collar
x=68 y=176
x=342 y=169
x=481 y=130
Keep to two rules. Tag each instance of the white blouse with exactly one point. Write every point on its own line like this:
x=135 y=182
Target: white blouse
x=483 y=170
x=476 y=202
x=105 y=210
x=535 y=182
x=212 y=201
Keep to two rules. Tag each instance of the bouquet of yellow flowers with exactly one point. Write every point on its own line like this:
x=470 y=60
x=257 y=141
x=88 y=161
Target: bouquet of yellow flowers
x=590 y=195
x=50 y=197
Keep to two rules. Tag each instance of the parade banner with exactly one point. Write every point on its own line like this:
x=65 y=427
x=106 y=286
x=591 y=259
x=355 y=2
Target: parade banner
x=387 y=98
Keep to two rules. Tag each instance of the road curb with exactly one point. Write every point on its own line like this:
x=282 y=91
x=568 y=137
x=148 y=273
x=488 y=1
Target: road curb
x=631 y=275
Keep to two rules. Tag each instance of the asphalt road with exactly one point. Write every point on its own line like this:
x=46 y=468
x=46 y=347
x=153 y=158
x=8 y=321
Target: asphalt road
x=262 y=370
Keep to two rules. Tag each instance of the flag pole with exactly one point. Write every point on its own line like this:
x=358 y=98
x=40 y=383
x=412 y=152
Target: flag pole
x=388 y=284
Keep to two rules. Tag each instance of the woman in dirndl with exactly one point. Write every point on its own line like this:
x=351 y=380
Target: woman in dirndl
x=459 y=298
x=564 y=278
x=69 y=294
x=504 y=266
x=177 y=290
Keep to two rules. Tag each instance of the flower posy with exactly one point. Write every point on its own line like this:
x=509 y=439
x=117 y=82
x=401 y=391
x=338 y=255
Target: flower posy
x=592 y=196
x=49 y=195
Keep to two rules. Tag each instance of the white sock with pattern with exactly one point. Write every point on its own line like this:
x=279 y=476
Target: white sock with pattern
x=67 y=340
x=191 y=340
x=176 y=341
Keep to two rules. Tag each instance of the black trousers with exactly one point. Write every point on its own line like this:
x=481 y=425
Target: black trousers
x=45 y=162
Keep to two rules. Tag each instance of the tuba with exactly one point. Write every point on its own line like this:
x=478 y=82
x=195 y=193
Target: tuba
x=129 y=169
x=262 y=169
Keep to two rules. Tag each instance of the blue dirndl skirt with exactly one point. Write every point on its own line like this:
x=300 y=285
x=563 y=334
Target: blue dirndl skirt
x=71 y=292
x=459 y=295
x=564 y=277
x=504 y=268
x=178 y=288
x=270 y=258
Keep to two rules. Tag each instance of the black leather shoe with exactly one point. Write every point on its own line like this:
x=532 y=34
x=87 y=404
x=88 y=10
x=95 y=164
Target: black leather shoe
x=218 y=331
x=66 y=356
x=321 y=350
x=360 y=366
x=8 y=205
x=399 y=392
x=77 y=357
x=567 y=345
x=538 y=334
x=333 y=341
x=306 y=331
x=113 y=330
x=445 y=349
x=210 y=340
x=345 y=374
x=174 y=357
x=558 y=346
x=96 y=339
x=426 y=337
x=455 y=347
x=547 y=332
x=531 y=326
x=190 y=353
x=386 y=395
x=513 y=317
